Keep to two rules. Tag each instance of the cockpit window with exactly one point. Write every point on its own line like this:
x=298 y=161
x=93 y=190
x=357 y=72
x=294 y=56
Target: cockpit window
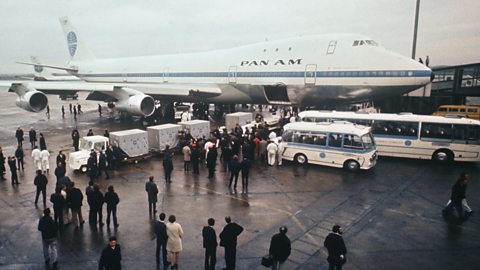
x=364 y=42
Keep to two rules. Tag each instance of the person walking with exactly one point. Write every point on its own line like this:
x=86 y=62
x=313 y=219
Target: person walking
x=245 y=165
x=98 y=200
x=162 y=237
x=2 y=165
x=111 y=258
x=458 y=199
x=75 y=138
x=112 y=200
x=32 y=136
x=210 y=244
x=37 y=162
x=280 y=248
x=45 y=160
x=186 y=157
x=272 y=150
x=90 y=133
x=234 y=167
x=12 y=163
x=62 y=158
x=228 y=240
x=49 y=238
x=58 y=202
x=63 y=111
x=227 y=155
x=59 y=171
x=102 y=165
x=19 y=136
x=75 y=199
x=92 y=217
x=70 y=107
x=79 y=108
x=167 y=165
x=92 y=166
x=43 y=144
x=174 y=243
x=152 y=191
x=336 y=249
x=19 y=154
x=99 y=109
x=195 y=158
x=212 y=161
x=41 y=182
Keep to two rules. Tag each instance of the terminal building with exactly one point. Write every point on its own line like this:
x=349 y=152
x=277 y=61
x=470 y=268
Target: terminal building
x=452 y=85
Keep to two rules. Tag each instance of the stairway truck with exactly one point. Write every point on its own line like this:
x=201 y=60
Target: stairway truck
x=77 y=161
x=162 y=135
x=197 y=128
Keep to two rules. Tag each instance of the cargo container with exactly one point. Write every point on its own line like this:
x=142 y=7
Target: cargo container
x=161 y=135
x=241 y=118
x=197 y=128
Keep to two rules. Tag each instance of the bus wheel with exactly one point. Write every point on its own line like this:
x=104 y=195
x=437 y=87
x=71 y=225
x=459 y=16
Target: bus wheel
x=443 y=156
x=301 y=159
x=351 y=165
x=83 y=169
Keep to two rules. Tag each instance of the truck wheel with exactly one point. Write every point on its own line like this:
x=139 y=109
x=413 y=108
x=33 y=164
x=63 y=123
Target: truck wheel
x=351 y=165
x=83 y=169
x=300 y=159
x=442 y=156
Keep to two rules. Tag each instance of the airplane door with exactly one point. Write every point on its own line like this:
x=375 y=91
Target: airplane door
x=232 y=74
x=310 y=74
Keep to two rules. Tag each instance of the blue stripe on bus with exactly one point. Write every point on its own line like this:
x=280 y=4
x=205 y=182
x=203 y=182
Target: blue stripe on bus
x=342 y=149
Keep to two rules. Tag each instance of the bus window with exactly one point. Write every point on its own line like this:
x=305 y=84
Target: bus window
x=472 y=134
x=296 y=137
x=352 y=141
x=287 y=136
x=320 y=139
x=437 y=131
x=442 y=109
x=379 y=127
x=368 y=142
x=335 y=140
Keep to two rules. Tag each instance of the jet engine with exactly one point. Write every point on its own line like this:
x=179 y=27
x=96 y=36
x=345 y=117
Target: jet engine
x=137 y=105
x=32 y=100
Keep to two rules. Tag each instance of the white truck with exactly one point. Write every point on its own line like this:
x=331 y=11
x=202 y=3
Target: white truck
x=133 y=144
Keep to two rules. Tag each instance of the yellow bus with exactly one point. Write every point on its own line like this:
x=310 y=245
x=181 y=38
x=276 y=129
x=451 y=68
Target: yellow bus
x=464 y=110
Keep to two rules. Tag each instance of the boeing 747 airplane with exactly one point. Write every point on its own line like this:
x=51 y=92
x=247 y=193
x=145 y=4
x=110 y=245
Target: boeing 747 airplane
x=310 y=70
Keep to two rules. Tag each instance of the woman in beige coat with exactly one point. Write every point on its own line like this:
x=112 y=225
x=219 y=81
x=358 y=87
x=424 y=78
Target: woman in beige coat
x=174 y=243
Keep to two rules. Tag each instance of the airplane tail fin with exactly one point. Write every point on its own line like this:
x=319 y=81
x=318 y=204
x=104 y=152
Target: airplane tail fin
x=38 y=68
x=77 y=49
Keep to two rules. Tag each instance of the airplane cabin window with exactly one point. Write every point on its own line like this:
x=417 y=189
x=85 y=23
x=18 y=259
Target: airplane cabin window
x=362 y=43
x=355 y=43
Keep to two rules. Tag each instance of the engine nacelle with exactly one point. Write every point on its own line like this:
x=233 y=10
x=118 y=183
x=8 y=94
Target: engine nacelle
x=138 y=105
x=32 y=100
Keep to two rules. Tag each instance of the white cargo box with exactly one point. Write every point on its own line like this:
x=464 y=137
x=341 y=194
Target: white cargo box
x=241 y=118
x=162 y=135
x=197 y=128
x=133 y=142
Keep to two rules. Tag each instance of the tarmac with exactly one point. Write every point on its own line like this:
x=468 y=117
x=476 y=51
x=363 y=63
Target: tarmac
x=390 y=215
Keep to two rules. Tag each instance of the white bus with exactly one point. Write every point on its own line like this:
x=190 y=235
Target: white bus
x=414 y=136
x=337 y=144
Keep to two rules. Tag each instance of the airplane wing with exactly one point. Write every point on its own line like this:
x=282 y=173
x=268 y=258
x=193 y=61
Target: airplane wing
x=156 y=90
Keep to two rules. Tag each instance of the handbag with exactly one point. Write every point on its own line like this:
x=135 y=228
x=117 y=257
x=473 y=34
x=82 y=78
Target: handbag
x=267 y=260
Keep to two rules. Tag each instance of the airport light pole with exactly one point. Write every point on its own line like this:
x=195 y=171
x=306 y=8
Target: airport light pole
x=415 y=29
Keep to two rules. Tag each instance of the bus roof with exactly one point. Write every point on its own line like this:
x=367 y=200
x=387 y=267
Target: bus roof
x=408 y=117
x=333 y=127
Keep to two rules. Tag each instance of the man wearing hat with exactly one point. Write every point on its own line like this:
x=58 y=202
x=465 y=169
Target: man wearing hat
x=336 y=249
x=280 y=248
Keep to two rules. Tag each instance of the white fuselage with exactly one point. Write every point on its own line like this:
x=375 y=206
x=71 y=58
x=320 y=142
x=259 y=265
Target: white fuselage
x=303 y=70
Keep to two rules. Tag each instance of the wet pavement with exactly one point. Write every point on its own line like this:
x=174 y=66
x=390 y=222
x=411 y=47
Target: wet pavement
x=391 y=215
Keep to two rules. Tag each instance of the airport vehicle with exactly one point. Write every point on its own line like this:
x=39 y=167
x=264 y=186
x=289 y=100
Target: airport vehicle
x=336 y=144
x=309 y=70
x=407 y=135
x=463 y=110
x=132 y=146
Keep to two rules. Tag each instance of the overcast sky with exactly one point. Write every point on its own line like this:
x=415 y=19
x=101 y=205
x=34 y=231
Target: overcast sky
x=449 y=31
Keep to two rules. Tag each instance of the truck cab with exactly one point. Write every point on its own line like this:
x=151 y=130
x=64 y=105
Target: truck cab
x=78 y=160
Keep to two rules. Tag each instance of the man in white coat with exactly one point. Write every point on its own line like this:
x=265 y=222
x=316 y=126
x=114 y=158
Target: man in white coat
x=36 y=158
x=44 y=157
x=272 y=150
x=280 y=150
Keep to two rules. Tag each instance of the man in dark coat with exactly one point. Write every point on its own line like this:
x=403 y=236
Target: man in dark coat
x=280 y=248
x=152 y=191
x=210 y=245
x=92 y=216
x=112 y=200
x=211 y=161
x=111 y=256
x=2 y=165
x=97 y=203
x=49 y=238
x=75 y=199
x=161 y=235
x=102 y=165
x=167 y=166
x=75 y=138
x=43 y=144
x=92 y=166
x=245 y=165
x=12 y=163
x=41 y=182
x=109 y=155
x=195 y=158
x=458 y=198
x=59 y=171
x=32 y=135
x=19 y=154
x=19 y=136
x=227 y=155
x=234 y=167
x=336 y=249
x=228 y=240
x=58 y=204
x=62 y=158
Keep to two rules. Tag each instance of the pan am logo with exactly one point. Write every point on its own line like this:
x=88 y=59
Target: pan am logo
x=72 y=43
x=38 y=68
